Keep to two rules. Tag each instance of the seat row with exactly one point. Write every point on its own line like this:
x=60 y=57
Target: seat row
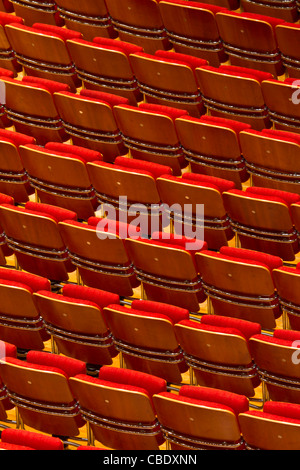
x=154 y=25
x=129 y=410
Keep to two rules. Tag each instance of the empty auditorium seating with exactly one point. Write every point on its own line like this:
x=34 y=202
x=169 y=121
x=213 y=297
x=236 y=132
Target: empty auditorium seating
x=7 y=57
x=135 y=180
x=76 y=322
x=165 y=265
x=277 y=361
x=217 y=350
x=13 y=178
x=286 y=281
x=32 y=233
x=40 y=389
x=195 y=201
x=91 y=19
x=149 y=133
x=191 y=28
x=89 y=120
x=279 y=9
x=250 y=40
x=239 y=284
x=277 y=427
x=201 y=418
x=31 y=46
x=271 y=158
x=168 y=78
x=211 y=146
x=5 y=251
x=262 y=220
x=20 y=439
x=118 y=405
x=236 y=93
x=20 y=322
x=29 y=105
x=37 y=11
x=104 y=65
x=98 y=253
x=282 y=101
x=58 y=173
x=144 y=334
x=139 y=22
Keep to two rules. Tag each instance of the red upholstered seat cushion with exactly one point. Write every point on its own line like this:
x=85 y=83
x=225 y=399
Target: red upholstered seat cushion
x=259 y=196
x=172 y=241
x=201 y=6
x=34 y=282
x=61 y=298
x=7 y=18
x=113 y=100
x=140 y=313
x=97 y=296
x=281 y=340
x=6 y=73
x=63 y=33
x=168 y=111
x=5 y=199
x=238 y=403
x=287 y=335
x=126 y=47
x=14 y=447
x=173 y=312
x=287 y=197
x=190 y=60
x=87 y=155
x=134 y=378
x=170 y=59
x=271 y=261
x=29 y=365
x=272 y=417
x=114 y=166
x=242 y=72
x=222 y=256
x=16 y=137
x=285 y=410
x=212 y=328
x=221 y=184
x=266 y=19
x=282 y=135
x=236 y=126
x=7 y=350
x=49 y=85
x=155 y=169
x=247 y=328
x=57 y=213
x=70 y=366
x=35 y=440
x=121 y=229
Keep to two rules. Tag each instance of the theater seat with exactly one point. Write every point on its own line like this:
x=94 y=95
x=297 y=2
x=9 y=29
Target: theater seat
x=19 y=439
x=39 y=11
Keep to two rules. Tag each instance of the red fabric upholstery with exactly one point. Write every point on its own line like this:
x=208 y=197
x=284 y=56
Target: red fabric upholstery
x=247 y=328
x=99 y=297
x=169 y=59
x=8 y=350
x=59 y=297
x=175 y=313
x=29 y=365
x=34 y=440
x=221 y=184
x=14 y=447
x=272 y=417
x=287 y=197
x=203 y=6
x=117 y=228
x=85 y=154
x=70 y=366
x=6 y=73
x=288 y=335
x=126 y=47
x=58 y=213
x=242 y=72
x=168 y=111
x=285 y=410
x=273 y=262
x=155 y=169
x=135 y=378
x=222 y=256
x=140 y=313
x=50 y=85
x=7 y=18
x=109 y=98
x=5 y=199
x=238 y=403
x=123 y=168
x=218 y=329
x=190 y=60
x=16 y=137
x=64 y=33
x=273 y=340
x=35 y=283
x=282 y=135
x=236 y=126
x=259 y=196
x=191 y=181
